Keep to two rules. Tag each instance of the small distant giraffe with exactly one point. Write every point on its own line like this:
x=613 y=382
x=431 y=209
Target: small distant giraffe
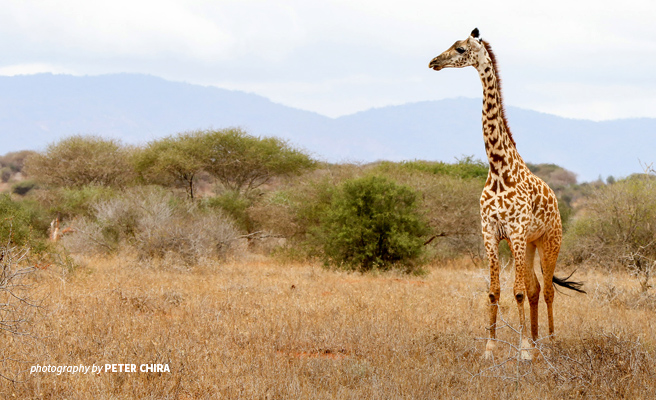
x=516 y=205
x=55 y=233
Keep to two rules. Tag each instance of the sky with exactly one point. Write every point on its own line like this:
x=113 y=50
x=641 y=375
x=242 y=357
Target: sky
x=578 y=59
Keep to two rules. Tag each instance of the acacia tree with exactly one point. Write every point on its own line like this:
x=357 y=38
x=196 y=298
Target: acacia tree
x=174 y=160
x=242 y=162
x=82 y=160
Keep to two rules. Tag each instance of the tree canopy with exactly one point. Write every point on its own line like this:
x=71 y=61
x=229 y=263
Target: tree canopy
x=82 y=160
x=238 y=161
x=173 y=160
x=242 y=162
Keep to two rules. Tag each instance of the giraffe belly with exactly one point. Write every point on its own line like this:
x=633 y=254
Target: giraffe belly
x=500 y=228
x=536 y=230
x=513 y=228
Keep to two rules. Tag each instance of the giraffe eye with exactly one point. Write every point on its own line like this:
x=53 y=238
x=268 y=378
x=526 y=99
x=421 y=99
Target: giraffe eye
x=460 y=50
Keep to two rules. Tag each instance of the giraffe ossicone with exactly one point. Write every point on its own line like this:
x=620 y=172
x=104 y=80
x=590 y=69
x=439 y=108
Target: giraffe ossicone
x=516 y=205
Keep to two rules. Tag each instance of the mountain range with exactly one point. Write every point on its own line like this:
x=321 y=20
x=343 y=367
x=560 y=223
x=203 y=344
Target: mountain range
x=36 y=110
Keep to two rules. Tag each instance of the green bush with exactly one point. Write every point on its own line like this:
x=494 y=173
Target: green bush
x=373 y=223
x=21 y=222
x=235 y=205
x=69 y=203
x=450 y=203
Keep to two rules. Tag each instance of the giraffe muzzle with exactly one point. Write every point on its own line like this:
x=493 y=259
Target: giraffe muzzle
x=435 y=64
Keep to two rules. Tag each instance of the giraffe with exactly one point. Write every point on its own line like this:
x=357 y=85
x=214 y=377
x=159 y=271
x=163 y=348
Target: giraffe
x=516 y=205
x=55 y=233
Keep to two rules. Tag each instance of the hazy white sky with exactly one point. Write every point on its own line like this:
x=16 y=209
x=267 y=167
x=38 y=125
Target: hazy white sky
x=580 y=59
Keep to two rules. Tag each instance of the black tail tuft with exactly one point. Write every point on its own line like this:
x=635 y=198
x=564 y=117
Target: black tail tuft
x=573 y=285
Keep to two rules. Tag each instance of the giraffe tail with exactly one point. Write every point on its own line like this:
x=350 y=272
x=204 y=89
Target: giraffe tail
x=569 y=284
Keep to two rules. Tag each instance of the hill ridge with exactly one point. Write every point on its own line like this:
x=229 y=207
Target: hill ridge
x=38 y=109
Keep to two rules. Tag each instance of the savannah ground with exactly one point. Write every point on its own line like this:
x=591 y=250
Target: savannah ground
x=261 y=328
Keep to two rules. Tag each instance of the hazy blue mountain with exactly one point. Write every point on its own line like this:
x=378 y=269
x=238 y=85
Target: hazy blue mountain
x=38 y=109
x=442 y=130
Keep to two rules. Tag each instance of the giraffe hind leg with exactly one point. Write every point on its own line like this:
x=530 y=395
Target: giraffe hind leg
x=521 y=287
x=548 y=255
x=532 y=289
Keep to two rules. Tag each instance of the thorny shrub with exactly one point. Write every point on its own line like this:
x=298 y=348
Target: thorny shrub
x=617 y=229
x=18 y=308
x=154 y=224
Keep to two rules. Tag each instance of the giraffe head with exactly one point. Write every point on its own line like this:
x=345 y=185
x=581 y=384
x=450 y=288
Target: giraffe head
x=463 y=53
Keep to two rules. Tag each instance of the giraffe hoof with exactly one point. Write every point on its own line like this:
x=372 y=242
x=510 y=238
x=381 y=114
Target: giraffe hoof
x=525 y=352
x=489 y=350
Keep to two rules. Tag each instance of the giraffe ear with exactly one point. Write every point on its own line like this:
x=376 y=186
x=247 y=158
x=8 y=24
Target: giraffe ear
x=476 y=34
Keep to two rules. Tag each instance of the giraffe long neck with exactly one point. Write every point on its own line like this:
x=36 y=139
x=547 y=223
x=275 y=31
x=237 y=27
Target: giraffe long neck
x=499 y=144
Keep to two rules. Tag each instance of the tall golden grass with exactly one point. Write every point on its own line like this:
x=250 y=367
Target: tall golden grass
x=258 y=328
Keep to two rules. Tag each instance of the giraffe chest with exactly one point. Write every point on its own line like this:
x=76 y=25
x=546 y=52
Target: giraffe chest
x=509 y=206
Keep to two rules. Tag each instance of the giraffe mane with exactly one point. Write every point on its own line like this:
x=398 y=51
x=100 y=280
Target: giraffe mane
x=501 y=107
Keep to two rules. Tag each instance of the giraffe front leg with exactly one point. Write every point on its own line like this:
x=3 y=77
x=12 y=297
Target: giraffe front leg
x=491 y=248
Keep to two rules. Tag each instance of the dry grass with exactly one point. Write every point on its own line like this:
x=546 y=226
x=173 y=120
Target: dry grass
x=258 y=329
